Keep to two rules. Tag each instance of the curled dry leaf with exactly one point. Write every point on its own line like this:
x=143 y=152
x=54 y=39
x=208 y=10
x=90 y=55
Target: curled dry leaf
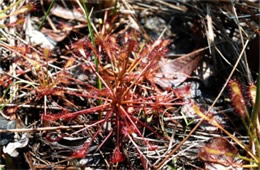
x=56 y=36
x=174 y=72
x=68 y=14
x=11 y=148
x=218 y=153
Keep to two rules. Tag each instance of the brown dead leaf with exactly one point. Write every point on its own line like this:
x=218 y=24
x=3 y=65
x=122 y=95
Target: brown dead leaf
x=218 y=153
x=56 y=36
x=69 y=14
x=174 y=72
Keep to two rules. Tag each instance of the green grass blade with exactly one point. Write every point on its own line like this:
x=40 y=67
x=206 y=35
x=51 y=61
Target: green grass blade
x=46 y=14
x=257 y=101
x=115 y=7
x=99 y=84
x=254 y=119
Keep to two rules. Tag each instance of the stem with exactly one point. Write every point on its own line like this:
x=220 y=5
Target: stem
x=115 y=7
x=99 y=84
x=256 y=105
x=255 y=117
x=117 y=129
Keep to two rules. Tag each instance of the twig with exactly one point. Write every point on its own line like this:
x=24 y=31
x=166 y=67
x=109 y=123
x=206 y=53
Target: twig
x=41 y=129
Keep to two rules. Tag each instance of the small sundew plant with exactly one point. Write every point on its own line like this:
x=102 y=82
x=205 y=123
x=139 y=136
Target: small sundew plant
x=240 y=103
x=22 y=10
x=240 y=100
x=129 y=93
